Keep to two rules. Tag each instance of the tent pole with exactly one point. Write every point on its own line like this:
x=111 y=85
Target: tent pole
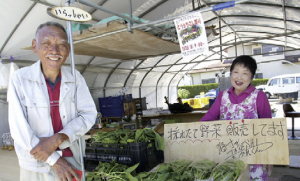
x=153 y=24
x=69 y=26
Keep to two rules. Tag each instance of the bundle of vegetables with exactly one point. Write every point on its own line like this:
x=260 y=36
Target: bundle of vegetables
x=122 y=136
x=147 y=135
x=228 y=170
x=200 y=170
x=125 y=136
x=112 y=171
x=172 y=171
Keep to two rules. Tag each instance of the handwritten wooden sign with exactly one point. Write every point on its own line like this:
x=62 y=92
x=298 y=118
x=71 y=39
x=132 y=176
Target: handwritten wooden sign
x=69 y=13
x=255 y=141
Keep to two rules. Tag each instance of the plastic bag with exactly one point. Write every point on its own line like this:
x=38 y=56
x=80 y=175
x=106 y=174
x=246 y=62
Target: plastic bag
x=228 y=170
x=201 y=170
x=4 y=75
x=6 y=70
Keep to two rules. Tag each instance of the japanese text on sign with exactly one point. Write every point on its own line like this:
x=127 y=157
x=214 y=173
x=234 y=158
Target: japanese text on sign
x=191 y=35
x=244 y=140
x=69 y=13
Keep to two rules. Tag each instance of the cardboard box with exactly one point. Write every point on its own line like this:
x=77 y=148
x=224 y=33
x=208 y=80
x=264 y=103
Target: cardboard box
x=129 y=107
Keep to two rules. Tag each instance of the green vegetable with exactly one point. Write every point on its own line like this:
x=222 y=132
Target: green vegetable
x=125 y=136
x=228 y=170
x=147 y=134
x=201 y=170
x=112 y=171
x=117 y=136
x=173 y=171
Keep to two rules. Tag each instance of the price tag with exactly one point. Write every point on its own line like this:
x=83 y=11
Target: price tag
x=69 y=14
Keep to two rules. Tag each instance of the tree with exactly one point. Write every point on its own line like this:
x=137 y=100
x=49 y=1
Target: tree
x=183 y=93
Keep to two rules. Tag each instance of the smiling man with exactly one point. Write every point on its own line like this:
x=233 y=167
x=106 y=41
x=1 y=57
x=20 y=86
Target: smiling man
x=44 y=120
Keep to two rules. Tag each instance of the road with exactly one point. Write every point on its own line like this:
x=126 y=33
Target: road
x=279 y=114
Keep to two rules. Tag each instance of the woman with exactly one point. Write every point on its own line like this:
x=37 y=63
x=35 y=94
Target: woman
x=242 y=101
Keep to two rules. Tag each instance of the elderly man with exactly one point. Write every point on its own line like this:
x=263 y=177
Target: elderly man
x=44 y=120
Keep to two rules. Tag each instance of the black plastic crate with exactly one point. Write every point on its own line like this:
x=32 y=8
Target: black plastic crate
x=129 y=154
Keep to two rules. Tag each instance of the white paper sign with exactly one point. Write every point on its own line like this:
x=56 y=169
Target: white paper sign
x=69 y=14
x=254 y=141
x=191 y=34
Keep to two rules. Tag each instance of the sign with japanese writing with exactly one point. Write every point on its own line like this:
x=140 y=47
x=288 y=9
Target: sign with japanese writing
x=255 y=141
x=69 y=13
x=191 y=34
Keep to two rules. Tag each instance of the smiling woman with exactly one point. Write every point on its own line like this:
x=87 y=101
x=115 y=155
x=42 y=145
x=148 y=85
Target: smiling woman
x=242 y=72
x=242 y=101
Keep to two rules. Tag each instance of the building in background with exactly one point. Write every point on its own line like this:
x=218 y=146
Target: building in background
x=271 y=61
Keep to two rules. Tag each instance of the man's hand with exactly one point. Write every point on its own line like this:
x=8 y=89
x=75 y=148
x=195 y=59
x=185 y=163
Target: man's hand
x=47 y=146
x=64 y=170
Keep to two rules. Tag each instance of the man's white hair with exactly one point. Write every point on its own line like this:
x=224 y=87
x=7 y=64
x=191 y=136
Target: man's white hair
x=49 y=23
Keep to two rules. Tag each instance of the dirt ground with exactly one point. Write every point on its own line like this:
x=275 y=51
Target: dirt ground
x=287 y=173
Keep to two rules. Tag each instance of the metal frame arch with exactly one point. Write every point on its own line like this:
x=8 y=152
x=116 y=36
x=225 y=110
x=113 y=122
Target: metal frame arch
x=279 y=40
x=252 y=42
x=99 y=4
x=192 y=68
x=152 y=8
x=260 y=38
x=108 y=77
x=164 y=74
x=208 y=57
x=181 y=70
x=265 y=33
x=87 y=65
x=140 y=89
x=124 y=85
x=265 y=26
x=250 y=16
x=17 y=26
x=220 y=18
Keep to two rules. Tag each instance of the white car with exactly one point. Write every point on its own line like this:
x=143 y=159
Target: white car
x=282 y=84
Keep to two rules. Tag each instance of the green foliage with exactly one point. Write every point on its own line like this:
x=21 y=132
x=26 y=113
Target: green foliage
x=125 y=136
x=196 y=89
x=178 y=170
x=183 y=93
x=122 y=136
x=257 y=82
x=148 y=134
x=201 y=169
x=173 y=171
x=112 y=171
x=228 y=170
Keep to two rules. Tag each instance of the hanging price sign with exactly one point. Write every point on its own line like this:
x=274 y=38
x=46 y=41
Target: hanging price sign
x=69 y=14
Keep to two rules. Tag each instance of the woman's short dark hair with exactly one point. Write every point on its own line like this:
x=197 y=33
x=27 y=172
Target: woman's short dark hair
x=247 y=62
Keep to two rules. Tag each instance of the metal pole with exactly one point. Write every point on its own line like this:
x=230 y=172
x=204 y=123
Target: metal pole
x=130 y=22
x=69 y=26
x=220 y=33
x=214 y=8
x=142 y=24
x=121 y=15
x=235 y=45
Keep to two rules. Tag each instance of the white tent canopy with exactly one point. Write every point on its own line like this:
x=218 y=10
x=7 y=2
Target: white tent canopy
x=273 y=22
